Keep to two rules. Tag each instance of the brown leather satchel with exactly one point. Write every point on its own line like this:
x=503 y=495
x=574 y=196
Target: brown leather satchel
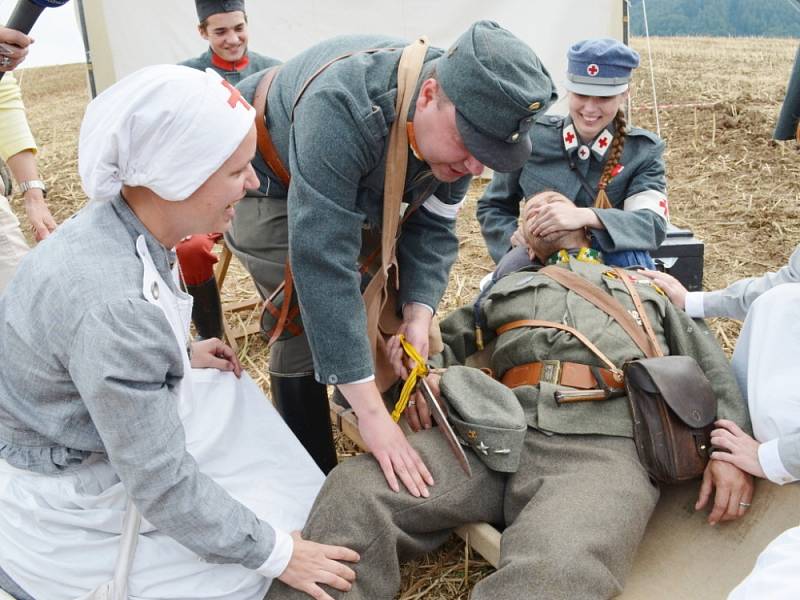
x=673 y=409
x=672 y=403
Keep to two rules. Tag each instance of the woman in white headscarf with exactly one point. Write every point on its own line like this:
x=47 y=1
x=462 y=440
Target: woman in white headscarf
x=123 y=461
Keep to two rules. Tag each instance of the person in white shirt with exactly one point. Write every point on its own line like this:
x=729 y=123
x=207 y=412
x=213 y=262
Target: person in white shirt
x=765 y=361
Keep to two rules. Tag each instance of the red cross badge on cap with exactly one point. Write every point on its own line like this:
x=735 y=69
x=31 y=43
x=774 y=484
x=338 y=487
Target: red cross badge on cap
x=592 y=70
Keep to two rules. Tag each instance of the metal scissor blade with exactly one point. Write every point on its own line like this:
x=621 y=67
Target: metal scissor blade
x=444 y=427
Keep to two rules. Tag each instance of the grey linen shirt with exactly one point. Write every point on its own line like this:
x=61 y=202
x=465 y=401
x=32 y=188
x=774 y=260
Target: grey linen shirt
x=91 y=367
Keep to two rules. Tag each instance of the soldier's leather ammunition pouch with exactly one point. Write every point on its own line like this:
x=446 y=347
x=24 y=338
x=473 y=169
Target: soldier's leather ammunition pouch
x=673 y=408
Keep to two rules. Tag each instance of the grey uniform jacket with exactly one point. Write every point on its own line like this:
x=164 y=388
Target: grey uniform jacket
x=640 y=183
x=89 y=366
x=735 y=300
x=255 y=62
x=335 y=150
x=528 y=295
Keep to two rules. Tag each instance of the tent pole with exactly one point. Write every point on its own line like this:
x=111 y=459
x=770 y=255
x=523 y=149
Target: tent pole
x=85 y=35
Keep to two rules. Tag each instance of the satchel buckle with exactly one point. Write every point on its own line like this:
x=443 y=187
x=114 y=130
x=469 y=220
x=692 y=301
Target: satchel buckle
x=551 y=371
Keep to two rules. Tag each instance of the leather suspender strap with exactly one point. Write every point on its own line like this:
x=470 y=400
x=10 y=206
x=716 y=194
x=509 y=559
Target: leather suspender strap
x=264 y=140
x=637 y=302
x=604 y=301
x=553 y=325
x=376 y=293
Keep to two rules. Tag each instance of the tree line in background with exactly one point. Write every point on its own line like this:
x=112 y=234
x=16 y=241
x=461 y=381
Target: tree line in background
x=765 y=18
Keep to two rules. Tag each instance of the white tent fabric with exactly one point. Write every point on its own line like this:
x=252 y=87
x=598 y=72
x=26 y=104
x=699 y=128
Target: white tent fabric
x=125 y=35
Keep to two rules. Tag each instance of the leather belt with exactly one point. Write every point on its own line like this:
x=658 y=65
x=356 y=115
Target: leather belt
x=570 y=374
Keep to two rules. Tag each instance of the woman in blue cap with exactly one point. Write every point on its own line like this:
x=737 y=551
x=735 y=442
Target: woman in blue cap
x=613 y=175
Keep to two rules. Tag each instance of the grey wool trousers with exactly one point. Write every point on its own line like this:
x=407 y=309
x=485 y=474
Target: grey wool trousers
x=574 y=514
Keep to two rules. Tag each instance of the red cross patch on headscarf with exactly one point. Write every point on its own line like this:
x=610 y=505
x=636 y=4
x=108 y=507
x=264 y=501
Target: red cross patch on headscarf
x=235 y=97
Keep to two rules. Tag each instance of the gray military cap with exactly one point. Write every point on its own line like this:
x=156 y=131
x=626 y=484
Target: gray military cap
x=206 y=8
x=498 y=85
x=486 y=415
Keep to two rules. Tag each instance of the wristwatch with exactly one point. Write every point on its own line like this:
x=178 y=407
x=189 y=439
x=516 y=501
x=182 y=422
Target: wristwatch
x=31 y=184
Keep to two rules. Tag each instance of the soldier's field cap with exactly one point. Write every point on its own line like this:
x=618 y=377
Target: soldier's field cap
x=498 y=85
x=600 y=67
x=206 y=8
x=486 y=415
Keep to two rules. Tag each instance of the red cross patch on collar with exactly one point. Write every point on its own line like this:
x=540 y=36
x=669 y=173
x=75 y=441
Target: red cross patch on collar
x=570 y=137
x=583 y=152
x=602 y=143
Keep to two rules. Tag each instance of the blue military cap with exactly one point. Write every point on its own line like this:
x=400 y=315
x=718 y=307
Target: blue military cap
x=600 y=67
x=206 y=8
x=498 y=85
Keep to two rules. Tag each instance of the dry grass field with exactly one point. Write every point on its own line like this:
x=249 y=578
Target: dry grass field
x=728 y=181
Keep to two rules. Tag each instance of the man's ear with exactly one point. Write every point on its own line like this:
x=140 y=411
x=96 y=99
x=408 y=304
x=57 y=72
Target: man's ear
x=428 y=93
x=202 y=31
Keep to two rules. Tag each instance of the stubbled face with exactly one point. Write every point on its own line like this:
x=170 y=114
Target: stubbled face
x=592 y=114
x=210 y=208
x=438 y=138
x=226 y=33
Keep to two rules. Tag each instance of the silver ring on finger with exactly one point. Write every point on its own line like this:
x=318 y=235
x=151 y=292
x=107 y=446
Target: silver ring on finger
x=5 y=61
x=744 y=505
x=412 y=402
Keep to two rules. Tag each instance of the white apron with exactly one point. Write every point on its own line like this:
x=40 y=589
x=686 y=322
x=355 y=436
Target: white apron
x=60 y=534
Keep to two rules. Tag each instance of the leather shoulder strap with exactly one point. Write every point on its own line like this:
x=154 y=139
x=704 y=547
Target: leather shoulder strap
x=637 y=302
x=265 y=146
x=602 y=300
x=552 y=324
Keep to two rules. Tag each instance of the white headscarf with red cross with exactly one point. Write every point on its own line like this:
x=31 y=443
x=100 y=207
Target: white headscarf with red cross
x=165 y=127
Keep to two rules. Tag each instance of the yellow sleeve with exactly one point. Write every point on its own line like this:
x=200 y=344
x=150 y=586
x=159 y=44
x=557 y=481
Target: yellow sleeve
x=15 y=134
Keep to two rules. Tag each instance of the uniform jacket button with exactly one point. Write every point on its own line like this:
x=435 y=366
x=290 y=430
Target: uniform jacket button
x=332 y=379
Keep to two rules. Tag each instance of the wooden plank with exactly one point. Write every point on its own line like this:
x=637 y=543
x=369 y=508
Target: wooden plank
x=232 y=307
x=244 y=330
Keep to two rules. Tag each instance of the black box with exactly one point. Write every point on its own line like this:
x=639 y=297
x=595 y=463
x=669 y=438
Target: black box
x=681 y=255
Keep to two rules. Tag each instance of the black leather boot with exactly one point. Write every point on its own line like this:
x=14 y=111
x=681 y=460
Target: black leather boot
x=207 y=309
x=303 y=404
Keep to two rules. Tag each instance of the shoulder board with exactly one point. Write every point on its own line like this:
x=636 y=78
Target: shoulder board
x=550 y=120
x=644 y=134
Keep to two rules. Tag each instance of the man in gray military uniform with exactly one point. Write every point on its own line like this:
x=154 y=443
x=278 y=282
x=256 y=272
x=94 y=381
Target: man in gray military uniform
x=329 y=111
x=223 y=24
x=563 y=479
